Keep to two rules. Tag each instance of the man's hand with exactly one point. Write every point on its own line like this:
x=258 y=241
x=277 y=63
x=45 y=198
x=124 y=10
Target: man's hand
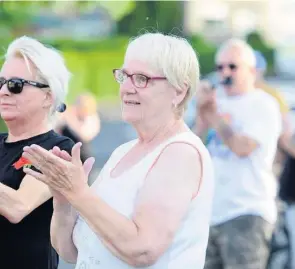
x=206 y=104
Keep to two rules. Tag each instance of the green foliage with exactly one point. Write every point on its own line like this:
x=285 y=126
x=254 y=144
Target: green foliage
x=153 y=16
x=201 y=45
x=256 y=41
x=2 y=126
x=206 y=53
x=16 y=19
x=114 y=43
x=92 y=71
x=118 y=9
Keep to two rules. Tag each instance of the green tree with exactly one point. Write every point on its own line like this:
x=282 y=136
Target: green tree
x=257 y=42
x=163 y=16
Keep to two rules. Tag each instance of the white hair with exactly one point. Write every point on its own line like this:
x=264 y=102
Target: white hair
x=172 y=56
x=49 y=63
x=245 y=50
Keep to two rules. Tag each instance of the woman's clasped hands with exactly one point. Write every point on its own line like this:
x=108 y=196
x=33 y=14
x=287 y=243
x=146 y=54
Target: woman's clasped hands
x=65 y=175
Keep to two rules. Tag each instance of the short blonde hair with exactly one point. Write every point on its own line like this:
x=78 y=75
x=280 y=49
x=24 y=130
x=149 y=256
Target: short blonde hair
x=173 y=56
x=50 y=65
x=246 y=51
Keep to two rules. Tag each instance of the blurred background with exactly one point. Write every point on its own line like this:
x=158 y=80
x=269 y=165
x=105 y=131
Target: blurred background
x=93 y=35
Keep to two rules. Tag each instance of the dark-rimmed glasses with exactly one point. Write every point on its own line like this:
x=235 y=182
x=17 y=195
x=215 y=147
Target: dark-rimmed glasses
x=16 y=85
x=138 y=80
x=231 y=66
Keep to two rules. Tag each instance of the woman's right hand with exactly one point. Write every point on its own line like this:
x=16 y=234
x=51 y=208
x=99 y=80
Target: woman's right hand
x=88 y=164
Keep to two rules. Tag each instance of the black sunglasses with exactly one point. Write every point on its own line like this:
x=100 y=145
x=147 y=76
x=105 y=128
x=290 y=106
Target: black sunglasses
x=16 y=85
x=138 y=80
x=232 y=67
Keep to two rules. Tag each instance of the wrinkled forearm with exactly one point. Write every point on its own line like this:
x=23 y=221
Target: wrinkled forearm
x=11 y=206
x=61 y=230
x=118 y=233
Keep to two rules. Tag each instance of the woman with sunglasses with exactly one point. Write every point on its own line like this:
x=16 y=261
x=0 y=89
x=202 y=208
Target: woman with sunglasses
x=150 y=206
x=33 y=86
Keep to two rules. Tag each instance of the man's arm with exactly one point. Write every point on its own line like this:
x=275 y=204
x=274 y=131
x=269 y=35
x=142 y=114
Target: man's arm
x=205 y=95
x=261 y=126
x=241 y=145
x=17 y=204
x=201 y=128
x=287 y=143
x=287 y=138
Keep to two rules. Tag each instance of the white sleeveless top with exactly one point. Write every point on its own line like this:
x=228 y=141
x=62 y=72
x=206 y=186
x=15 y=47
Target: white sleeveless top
x=188 y=248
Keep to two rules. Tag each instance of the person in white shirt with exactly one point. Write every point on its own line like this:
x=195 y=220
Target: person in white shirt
x=151 y=204
x=243 y=126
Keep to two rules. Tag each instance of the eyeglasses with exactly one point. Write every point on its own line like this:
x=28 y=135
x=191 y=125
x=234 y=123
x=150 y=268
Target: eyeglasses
x=16 y=85
x=138 y=80
x=231 y=66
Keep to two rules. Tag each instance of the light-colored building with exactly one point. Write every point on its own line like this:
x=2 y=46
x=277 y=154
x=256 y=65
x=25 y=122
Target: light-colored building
x=218 y=20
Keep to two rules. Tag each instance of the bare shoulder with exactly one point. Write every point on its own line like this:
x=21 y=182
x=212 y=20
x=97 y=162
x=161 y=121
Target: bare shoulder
x=181 y=151
x=177 y=161
x=175 y=174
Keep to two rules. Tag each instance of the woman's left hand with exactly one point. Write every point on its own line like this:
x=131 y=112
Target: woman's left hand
x=66 y=177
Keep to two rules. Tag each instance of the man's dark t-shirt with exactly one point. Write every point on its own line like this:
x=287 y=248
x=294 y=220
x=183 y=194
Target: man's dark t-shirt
x=287 y=181
x=27 y=243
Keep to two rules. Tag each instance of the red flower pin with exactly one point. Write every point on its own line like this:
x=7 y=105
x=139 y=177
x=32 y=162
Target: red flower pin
x=22 y=162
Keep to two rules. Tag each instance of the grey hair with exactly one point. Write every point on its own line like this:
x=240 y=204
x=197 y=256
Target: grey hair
x=246 y=51
x=172 y=56
x=49 y=63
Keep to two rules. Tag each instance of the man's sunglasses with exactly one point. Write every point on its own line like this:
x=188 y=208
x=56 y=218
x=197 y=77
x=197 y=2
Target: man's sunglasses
x=16 y=85
x=220 y=67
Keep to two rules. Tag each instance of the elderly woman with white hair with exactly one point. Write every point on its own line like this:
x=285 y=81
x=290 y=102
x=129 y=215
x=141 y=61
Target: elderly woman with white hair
x=33 y=85
x=151 y=204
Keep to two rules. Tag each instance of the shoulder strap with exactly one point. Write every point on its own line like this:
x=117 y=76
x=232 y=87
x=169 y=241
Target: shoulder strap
x=181 y=142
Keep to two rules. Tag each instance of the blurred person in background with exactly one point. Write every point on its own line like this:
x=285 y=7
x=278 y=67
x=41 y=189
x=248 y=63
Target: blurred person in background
x=243 y=126
x=285 y=144
x=261 y=83
x=283 y=251
x=33 y=85
x=151 y=204
x=287 y=195
x=282 y=246
x=81 y=122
